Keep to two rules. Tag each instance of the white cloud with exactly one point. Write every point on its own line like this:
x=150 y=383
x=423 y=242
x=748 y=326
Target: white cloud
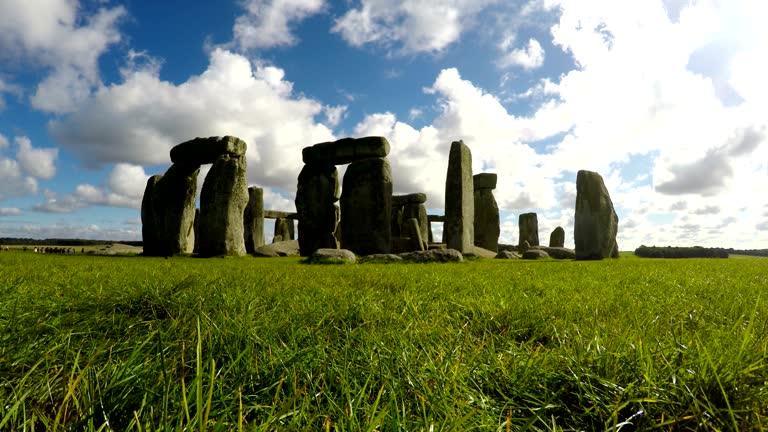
x=139 y=120
x=37 y=162
x=55 y=35
x=267 y=23
x=12 y=182
x=10 y=211
x=529 y=58
x=66 y=230
x=410 y=26
x=3 y=143
x=128 y=180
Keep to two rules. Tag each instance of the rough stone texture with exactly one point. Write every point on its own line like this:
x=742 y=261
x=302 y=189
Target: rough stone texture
x=222 y=205
x=438 y=246
x=615 y=251
x=487 y=224
x=596 y=222
x=331 y=256
x=535 y=254
x=196 y=229
x=173 y=209
x=316 y=195
x=277 y=239
x=560 y=252
x=366 y=207
x=528 y=224
x=277 y=214
x=521 y=248
x=201 y=151
x=346 y=150
x=418 y=212
x=253 y=220
x=414 y=233
x=430 y=236
x=150 y=224
x=284 y=229
x=459 y=228
x=507 y=247
x=484 y=181
x=414 y=198
x=433 y=255
x=283 y=248
x=400 y=245
x=381 y=258
x=396 y=221
x=507 y=255
x=557 y=238
x=436 y=218
x=483 y=253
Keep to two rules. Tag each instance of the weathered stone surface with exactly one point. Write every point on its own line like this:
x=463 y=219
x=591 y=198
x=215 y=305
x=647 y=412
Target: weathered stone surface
x=483 y=253
x=507 y=247
x=557 y=238
x=484 y=181
x=521 y=248
x=346 y=150
x=277 y=238
x=277 y=214
x=253 y=220
x=433 y=255
x=173 y=209
x=438 y=246
x=284 y=229
x=487 y=224
x=196 y=229
x=418 y=212
x=316 y=195
x=507 y=255
x=615 y=251
x=459 y=228
x=414 y=233
x=222 y=205
x=381 y=258
x=528 y=224
x=282 y=248
x=151 y=225
x=202 y=151
x=430 y=236
x=436 y=218
x=396 y=221
x=535 y=254
x=400 y=245
x=559 y=252
x=596 y=222
x=331 y=256
x=366 y=207
x=414 y=198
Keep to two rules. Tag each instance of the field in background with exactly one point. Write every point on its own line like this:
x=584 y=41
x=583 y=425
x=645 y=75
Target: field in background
x=134 y=343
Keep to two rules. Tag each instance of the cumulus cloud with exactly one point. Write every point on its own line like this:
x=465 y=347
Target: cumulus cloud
x=57 y=36
x=140 y=119
x=13 y=183
x=267 y=23
x=530 y=57
x=10 y=211
x=409 y=26
x=37 y=162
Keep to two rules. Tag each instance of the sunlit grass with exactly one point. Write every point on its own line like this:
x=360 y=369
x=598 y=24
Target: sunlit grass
x=133 y=343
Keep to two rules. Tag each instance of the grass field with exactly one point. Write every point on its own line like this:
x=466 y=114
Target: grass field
x=134 y=343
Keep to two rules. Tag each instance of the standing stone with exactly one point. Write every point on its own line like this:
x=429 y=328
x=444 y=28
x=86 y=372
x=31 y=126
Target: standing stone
x=414 y=233
x=284 y=229
x=316 y=195
x=596 y=222
x=222 y=205
x=366 y=207
x=418 y=212
x=557 y=238
x=196 y=225
x=528 y=224
x=397 y=221
x=253 y=220
x=487 y=223
x=150 y=224
x=173 y=203
x=459 y=228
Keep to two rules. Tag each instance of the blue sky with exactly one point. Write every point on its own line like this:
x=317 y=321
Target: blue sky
x=665 y=98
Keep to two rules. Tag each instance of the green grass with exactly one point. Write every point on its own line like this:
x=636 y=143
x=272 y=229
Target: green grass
x=133 y=343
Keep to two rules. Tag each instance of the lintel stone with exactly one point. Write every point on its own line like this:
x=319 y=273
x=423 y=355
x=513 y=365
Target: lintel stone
x=202 y=151
x=346 y=150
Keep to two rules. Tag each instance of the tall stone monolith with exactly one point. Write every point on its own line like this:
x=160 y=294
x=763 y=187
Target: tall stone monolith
x=459 y=227
x=366 y=207
x=253 y=220
x=487 y=224
x=222 y=204
x=316 y=195
x=173 y=210
x=284 y=229
x=528 y=224
x=596 y=222
x=557 y=238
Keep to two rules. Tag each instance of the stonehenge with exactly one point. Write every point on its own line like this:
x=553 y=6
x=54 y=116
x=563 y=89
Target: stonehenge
x=358 y=213
x=459 y=227
x=487 y=228
x=595 y=223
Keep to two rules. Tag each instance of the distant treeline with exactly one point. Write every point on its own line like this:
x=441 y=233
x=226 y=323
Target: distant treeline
x=680 y=252
x=751 y=252
x=9 y=241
